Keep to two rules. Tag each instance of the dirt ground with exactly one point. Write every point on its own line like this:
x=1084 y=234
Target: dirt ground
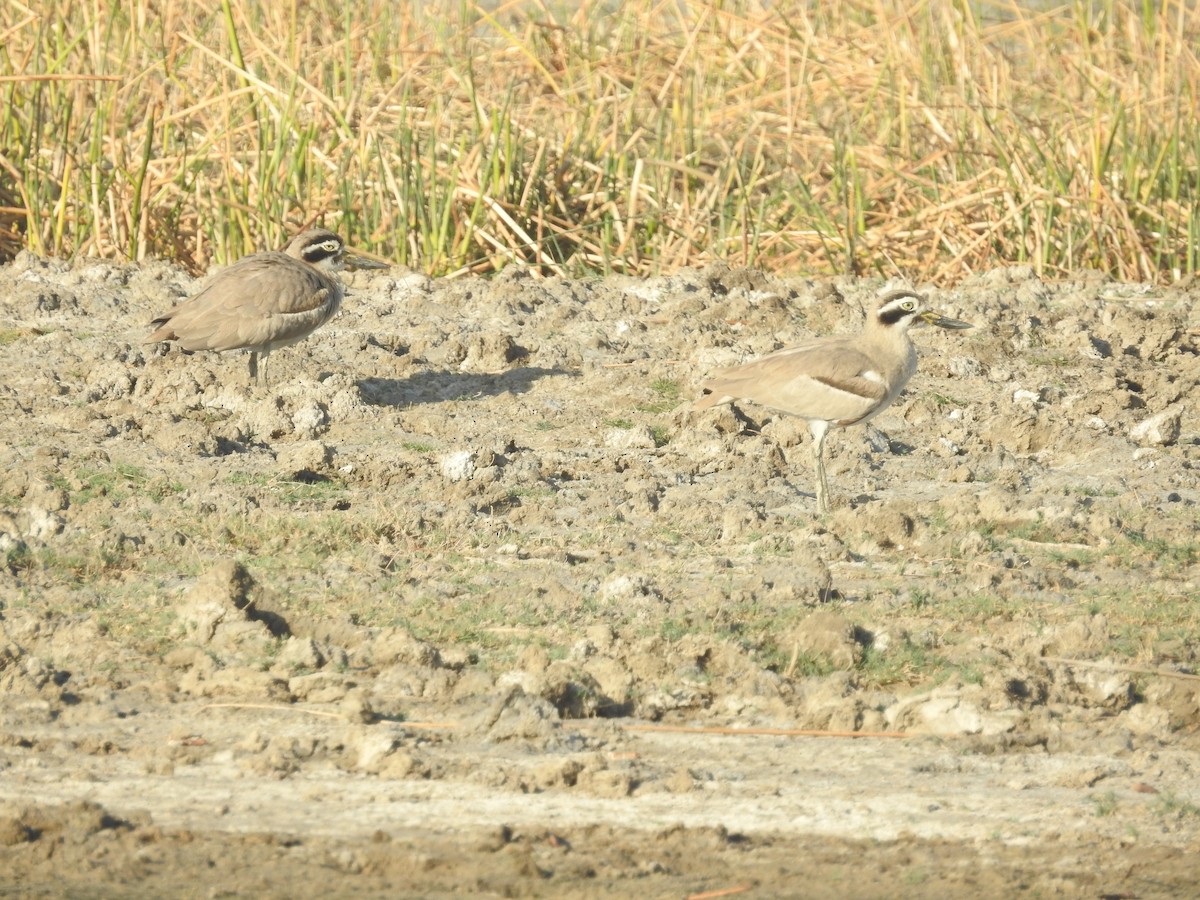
x=470 y=602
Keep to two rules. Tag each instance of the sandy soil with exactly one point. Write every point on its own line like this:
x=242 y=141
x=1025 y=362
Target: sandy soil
x=471 y=602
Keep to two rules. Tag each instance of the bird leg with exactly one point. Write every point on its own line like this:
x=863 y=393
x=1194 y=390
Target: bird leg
x=258 y=373
x=819 y=428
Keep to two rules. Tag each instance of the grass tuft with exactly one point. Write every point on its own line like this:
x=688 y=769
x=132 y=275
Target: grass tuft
x=928 y=139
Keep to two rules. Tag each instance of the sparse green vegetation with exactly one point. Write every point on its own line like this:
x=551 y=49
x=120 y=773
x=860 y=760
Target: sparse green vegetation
x=1168 y=804
x=919 y=598
x=290 y=491
x=115 y=483
x=668 y=392
x=1039 y=531
x=944 y=400
x=805 y=665
x=674 y=628
x=18 y=557
x=915 y=875
x=770 y=545
x=1169 y=556
x=1085 y=490
x=904 y=662
x=1105 y=804
x=109 y=559
x=586 y=137
x=1052 y=360
x=660 y=434
x=533 y=491
x=298 y=492
x=250 y=479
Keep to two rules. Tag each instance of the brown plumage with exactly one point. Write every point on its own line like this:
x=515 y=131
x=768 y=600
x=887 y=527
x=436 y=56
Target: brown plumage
x=834 y=381
x=264 y=301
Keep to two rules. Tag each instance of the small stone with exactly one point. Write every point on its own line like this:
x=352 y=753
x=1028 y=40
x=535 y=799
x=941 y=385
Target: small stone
x=357 y=707
x=301 y=653
x=1148 y=719
x=831 y=637
x=458 y=466
x=310 y=419
x=965 y=367
x=606 y=783
x=1159 y=430
x=636 y=438
x=304 y=457
x=682 y=781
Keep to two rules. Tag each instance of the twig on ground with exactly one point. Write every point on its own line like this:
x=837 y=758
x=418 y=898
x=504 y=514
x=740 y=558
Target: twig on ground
x=1119 y=667
x=275 y=706
x=724 y=892
x=780 y=732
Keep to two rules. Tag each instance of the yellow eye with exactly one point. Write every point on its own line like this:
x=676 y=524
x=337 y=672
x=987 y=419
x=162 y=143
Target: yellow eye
x=331 y=246
x=908 y=305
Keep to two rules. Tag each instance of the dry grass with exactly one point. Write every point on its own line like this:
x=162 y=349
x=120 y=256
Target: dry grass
x=933 y=139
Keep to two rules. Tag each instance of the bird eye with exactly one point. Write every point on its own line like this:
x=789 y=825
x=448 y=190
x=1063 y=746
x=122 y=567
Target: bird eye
x=908 y=305
x=331 y=246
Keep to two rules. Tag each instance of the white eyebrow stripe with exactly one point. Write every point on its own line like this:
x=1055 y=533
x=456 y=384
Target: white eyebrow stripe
x=871 y=375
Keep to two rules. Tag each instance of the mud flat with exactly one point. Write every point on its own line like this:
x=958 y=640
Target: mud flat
x=470 y=601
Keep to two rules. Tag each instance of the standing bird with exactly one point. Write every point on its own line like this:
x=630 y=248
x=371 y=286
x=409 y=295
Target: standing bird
x=834 y=381
x=265 y=300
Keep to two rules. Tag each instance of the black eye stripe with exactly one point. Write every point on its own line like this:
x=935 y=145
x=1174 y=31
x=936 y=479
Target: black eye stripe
x=892 y=314
x=323 y=250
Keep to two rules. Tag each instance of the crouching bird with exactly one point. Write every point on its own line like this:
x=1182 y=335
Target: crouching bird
x=265 y=300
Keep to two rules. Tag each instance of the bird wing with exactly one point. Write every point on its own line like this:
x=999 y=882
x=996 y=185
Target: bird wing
x=826 y=379
x=268 y=299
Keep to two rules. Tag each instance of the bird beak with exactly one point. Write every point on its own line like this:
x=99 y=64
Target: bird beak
x=355 y=261
x=932 y=318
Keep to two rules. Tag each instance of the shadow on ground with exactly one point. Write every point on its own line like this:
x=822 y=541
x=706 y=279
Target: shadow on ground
x=435 y=387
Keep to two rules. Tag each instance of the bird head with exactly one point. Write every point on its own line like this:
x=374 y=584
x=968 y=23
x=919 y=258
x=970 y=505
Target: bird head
x=325 y=250
x=904 y=309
